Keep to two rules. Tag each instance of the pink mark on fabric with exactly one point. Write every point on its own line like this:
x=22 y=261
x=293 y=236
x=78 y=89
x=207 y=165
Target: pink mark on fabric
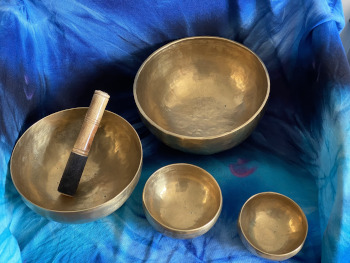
x=240 y=168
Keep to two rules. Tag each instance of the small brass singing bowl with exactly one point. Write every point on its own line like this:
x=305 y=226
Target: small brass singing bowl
x=202 y=94
x=111 y=173
x=272 y=226
x=182 y=201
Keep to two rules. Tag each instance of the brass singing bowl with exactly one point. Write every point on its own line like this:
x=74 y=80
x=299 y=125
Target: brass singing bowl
x=182 y=201
x=202 y=94
x=272 y=226
x=111 y=173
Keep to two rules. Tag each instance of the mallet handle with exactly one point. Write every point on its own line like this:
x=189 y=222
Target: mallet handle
x=91 y=122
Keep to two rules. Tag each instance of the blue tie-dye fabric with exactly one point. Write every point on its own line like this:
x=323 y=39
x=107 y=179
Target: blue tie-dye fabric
x=53 y=54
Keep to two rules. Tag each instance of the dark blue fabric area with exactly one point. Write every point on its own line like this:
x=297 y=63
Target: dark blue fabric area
x=54 y=54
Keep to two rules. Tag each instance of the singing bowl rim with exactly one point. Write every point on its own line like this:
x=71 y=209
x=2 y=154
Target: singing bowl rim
x=262 y=253
x=106 y=204
x=184 y=233
x=166 y=46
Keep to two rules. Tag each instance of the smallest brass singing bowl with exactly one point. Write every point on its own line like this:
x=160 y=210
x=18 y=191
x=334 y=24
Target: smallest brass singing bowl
x=272 y=226
x=182 y=201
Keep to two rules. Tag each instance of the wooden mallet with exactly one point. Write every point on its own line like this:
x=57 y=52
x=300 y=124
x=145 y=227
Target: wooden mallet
x=78 y=157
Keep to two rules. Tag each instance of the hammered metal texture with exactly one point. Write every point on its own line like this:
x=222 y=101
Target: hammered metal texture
x=110 y=175
x=202 y=94
x=272 y=226
x=182 y=200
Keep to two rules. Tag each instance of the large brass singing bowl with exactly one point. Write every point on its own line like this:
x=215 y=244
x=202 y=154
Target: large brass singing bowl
x=182 y=201
x=202 y=94
x=272 y=226
x=111 y=173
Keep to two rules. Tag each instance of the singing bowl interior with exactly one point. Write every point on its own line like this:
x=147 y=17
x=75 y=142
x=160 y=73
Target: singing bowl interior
x=111 y=171
x=273 y=225
x=182 y=200
x=201 y=87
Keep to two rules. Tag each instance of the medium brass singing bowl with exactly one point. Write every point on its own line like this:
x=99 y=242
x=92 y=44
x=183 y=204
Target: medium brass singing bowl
x=272 y=226
x=111 y=173
x=202 y=94
x=182 y=201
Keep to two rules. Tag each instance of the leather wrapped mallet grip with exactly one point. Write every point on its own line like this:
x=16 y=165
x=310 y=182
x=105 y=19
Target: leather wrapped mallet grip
x=91 y=122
